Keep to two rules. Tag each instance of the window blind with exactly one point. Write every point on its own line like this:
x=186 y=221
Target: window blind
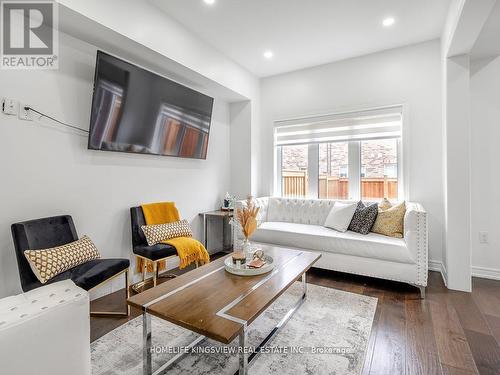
x=350 y=126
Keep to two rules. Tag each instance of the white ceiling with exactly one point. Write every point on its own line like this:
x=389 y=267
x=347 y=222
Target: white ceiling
x=488 y=42
x=304 y=33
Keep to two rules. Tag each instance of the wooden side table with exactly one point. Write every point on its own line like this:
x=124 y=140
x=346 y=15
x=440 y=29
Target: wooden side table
x=225 y=216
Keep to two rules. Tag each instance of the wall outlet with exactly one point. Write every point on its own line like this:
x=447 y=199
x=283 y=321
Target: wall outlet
x=483 y=237
x=24 y=114
x=9 y=106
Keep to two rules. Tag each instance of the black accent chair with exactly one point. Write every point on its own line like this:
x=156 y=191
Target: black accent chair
x=56 y=231
x=140 y=247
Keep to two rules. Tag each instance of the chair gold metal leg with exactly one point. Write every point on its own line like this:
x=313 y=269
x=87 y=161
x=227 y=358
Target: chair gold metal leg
x=127 y=289
x=115 y=313
x=141 y=285
x=155 y=273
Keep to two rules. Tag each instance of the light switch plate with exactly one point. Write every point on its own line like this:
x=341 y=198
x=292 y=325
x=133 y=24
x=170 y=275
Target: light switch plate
x=9 y=106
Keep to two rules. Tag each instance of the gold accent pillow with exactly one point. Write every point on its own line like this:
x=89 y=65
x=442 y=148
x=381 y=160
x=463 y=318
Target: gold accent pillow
x=385 y=204
x=390 y=222
x=48 y=263
x=160 y=232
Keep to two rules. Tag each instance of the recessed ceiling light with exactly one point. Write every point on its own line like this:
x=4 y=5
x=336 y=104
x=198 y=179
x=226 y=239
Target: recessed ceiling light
x=209 y=2
x=389 y=21
x=268 y=55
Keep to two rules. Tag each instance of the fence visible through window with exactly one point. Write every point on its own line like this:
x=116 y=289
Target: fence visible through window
x=295 y=184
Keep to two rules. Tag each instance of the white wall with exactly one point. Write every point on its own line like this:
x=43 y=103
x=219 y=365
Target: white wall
x=485 y=155
x=457 y=173
x=464 y=24
x=47 y=169
x=409 y=75
x=240 y=115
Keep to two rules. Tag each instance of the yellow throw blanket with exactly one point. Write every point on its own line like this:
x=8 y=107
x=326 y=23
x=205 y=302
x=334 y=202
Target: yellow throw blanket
x=160 y=213
x=188 y=249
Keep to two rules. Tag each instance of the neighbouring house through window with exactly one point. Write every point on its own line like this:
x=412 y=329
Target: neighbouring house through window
x=379 y=161
x=294 y=168
x=333 y=171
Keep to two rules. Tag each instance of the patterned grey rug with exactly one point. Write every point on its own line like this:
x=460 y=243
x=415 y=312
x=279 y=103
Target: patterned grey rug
x=327 y=335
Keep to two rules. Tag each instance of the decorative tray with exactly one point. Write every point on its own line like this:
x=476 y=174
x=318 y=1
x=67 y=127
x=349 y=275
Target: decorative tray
x=244 y=270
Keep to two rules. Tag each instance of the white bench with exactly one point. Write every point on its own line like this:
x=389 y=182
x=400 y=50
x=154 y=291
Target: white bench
x=46 y=331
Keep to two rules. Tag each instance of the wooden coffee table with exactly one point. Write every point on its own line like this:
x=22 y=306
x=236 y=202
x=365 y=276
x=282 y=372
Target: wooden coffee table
x=219 y=305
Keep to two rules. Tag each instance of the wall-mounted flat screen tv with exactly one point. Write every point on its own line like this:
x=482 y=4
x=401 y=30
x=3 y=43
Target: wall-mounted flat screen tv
x=135 y=110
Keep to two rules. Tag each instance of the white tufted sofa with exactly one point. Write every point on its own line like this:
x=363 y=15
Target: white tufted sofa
x=298 y=223
x=46 y=331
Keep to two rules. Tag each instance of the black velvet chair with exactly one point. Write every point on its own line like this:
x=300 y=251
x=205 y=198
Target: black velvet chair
x=154 y=254
x=56 y=231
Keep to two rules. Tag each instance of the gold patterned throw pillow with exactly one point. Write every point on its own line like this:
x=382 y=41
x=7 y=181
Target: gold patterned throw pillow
x=161 y=232
x=385 y=204
x=48 y=263
x=390 y=222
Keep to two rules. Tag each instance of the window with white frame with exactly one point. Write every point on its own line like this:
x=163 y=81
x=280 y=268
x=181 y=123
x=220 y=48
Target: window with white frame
x=355 y=155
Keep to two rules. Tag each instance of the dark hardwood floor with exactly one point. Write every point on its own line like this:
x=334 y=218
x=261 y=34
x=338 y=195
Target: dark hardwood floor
x=450 y=333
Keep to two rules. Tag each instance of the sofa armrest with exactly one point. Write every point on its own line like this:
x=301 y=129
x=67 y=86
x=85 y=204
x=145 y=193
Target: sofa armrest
x=416 y=238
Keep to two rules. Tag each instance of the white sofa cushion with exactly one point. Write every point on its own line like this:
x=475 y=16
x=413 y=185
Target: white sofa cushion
x=316 y=237
x=340 y=216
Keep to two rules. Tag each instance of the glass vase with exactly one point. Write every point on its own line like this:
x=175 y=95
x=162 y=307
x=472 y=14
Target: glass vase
x=247 y=249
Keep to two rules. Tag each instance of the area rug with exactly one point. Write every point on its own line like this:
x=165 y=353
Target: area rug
x=328 y=334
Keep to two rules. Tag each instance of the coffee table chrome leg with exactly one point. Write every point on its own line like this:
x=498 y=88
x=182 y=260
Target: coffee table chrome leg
x=304 y=286
x=243 y=353
x=146 y=337
x=249 y=358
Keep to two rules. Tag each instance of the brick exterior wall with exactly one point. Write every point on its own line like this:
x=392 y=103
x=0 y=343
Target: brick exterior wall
x=377 y=157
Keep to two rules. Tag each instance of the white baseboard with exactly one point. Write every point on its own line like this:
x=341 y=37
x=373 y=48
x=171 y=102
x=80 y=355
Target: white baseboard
x=436 y=265
x=482 y=272
x=486 y=273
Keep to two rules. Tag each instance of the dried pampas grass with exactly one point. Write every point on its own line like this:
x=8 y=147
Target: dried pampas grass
x=247 y=217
